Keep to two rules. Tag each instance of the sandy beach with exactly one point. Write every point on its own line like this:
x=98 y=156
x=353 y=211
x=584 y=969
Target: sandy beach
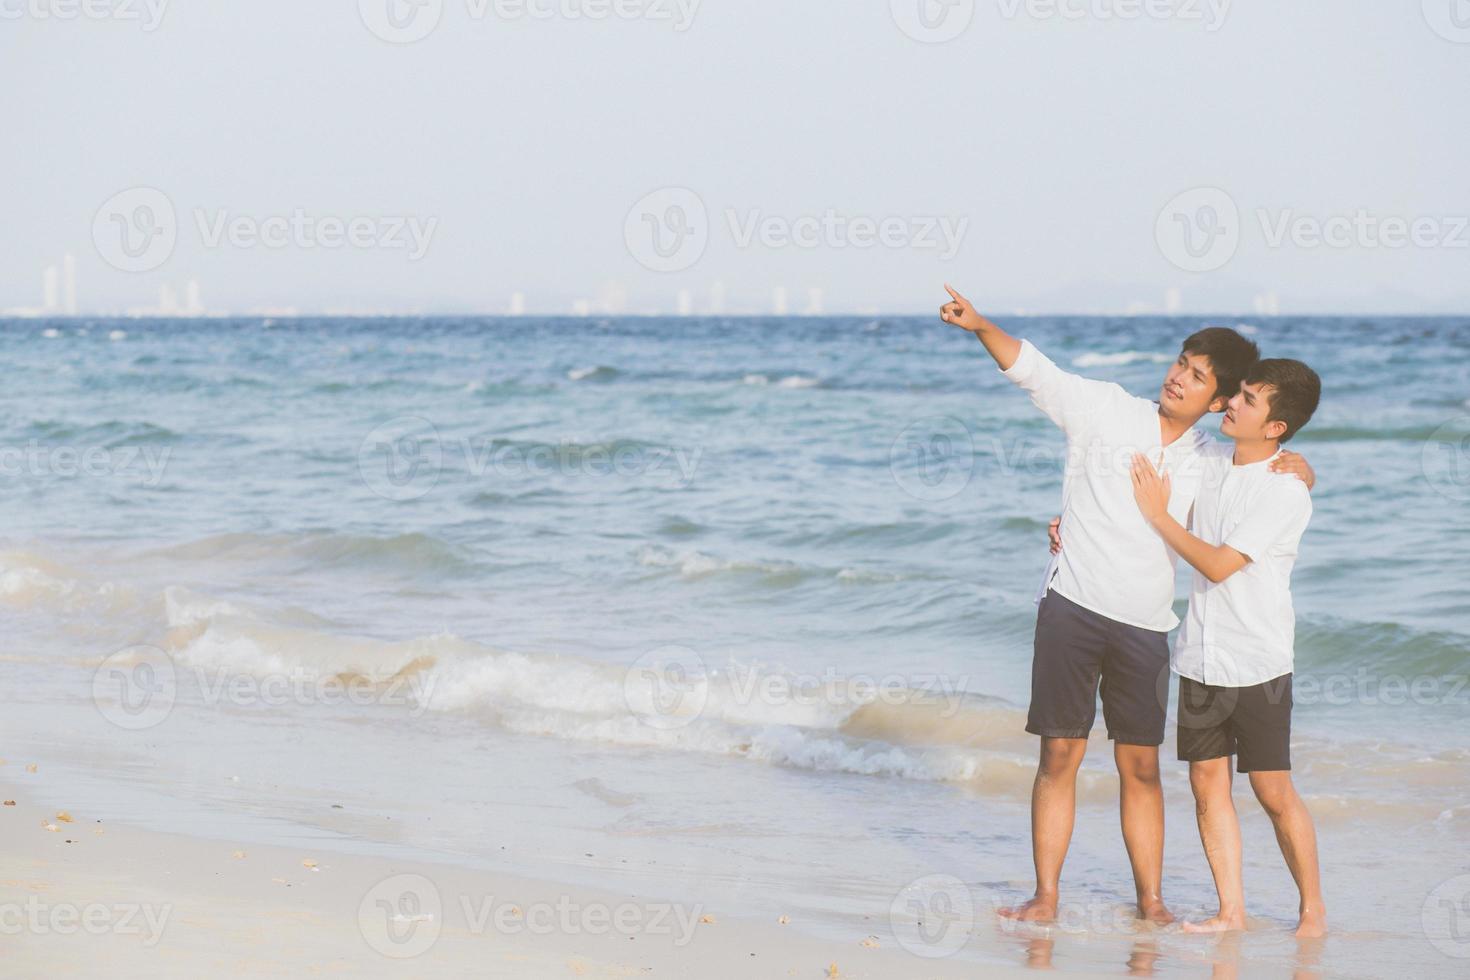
x=93 y=890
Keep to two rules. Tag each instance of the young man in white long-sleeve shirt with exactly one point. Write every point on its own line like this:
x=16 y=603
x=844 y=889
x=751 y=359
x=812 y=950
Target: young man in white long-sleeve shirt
x=1107 y=600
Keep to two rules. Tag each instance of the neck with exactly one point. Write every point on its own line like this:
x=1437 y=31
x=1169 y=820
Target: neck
x=1254 y=450
x=1172 y=428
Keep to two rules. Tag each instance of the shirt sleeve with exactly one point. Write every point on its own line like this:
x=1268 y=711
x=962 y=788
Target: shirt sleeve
x=1069 y=400
x=1277 y=517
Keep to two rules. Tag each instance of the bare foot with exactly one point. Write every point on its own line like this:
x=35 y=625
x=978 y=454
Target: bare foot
x=1154 y=911
x=1038 y=909
x=1313 y=925
x=1220 y=923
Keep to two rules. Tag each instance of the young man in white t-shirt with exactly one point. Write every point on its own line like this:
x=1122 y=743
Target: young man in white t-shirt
x=1106 y=605
x=1234 y=652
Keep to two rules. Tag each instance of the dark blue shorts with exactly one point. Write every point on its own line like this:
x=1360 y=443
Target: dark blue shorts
x=1251 y=723
x=1079 y=652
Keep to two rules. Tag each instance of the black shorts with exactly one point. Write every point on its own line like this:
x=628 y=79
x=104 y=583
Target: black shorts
x=1251 y=723
x=1075 y=649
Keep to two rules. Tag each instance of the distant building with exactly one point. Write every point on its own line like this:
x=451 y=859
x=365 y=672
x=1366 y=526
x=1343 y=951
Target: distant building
x=814 y=298
x=69 y=285
x=49 y=289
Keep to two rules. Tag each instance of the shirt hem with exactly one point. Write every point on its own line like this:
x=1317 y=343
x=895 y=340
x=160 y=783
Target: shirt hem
x=1195 y=676
x=1117 y=619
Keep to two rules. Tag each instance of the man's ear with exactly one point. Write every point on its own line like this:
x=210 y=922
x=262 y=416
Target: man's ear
x=1275 y=430
x=1219 y=404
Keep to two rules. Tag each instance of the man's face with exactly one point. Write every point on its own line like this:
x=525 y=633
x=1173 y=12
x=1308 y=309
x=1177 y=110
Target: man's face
x=1246 y=415
x=1189 y=388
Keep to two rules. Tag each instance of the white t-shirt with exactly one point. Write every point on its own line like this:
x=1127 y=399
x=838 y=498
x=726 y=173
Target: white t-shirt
x=1241 y=631
x=1112 y=561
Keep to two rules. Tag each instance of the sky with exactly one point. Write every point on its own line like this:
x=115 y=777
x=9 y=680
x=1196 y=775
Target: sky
x=737 y=156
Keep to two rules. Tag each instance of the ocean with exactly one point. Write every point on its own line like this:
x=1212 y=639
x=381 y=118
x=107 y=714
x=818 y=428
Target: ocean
x=730 y=608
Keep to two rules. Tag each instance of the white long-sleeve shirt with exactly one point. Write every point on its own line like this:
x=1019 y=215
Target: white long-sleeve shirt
x=1112 y=561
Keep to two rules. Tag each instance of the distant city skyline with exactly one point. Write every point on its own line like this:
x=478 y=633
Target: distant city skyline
x=59 y=299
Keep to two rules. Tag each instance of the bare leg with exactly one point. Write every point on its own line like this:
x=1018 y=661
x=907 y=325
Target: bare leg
x=1219 y=832
x=1141 y=802
x=1053 y=810
x=1298 y=840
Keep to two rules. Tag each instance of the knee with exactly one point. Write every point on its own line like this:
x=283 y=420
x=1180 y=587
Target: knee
x=1274 y=793
x=1061 y=757
x=1139 y=767
x=1210 y=784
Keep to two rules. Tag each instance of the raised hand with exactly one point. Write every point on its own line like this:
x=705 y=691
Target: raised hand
x=961 y=312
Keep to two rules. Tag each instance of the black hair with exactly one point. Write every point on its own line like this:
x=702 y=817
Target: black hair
x=1295 y=391
x=1231 y=356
